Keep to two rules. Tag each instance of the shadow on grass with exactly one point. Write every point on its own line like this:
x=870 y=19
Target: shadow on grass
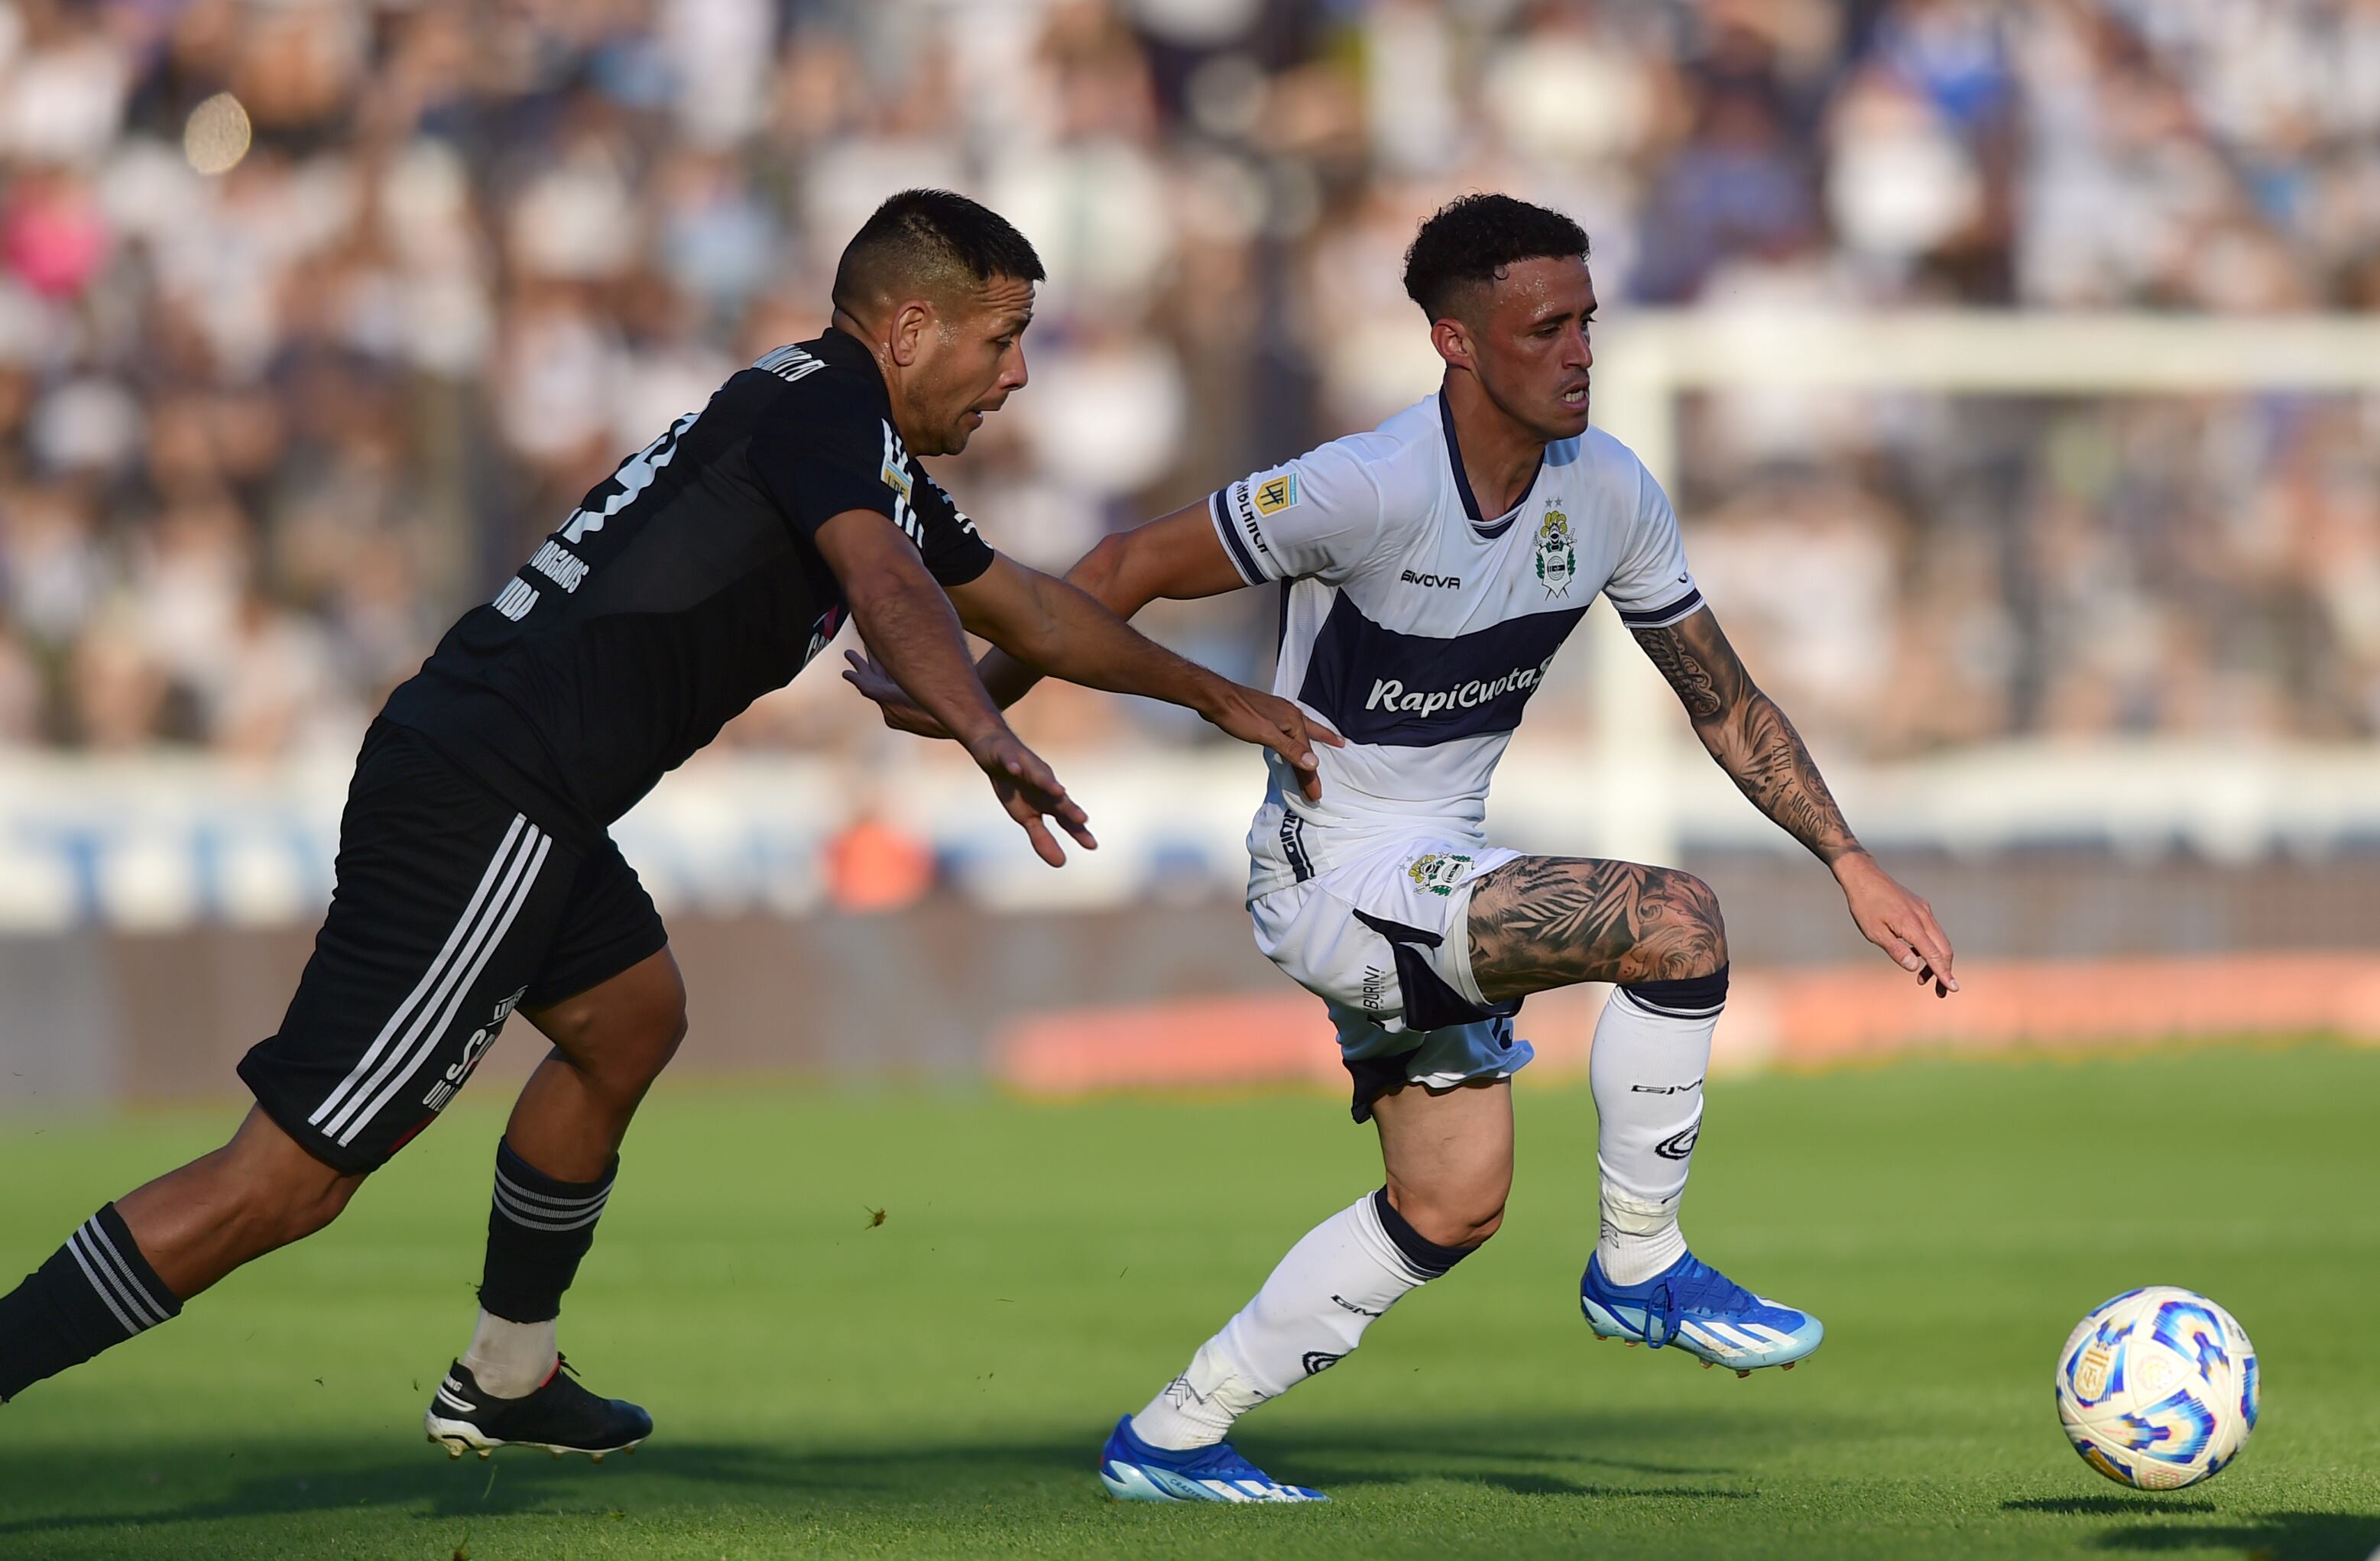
x=2109 y=1506
x=2280 y=1536
x=2274 y=1536
x=62 y=1495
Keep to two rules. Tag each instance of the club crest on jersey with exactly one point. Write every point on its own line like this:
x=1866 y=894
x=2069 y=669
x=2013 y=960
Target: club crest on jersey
x=1557 y=554
x=1277 y=494
x=1436 y=873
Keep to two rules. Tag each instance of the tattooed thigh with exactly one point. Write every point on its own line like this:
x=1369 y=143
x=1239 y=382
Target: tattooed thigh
x=1552 y=921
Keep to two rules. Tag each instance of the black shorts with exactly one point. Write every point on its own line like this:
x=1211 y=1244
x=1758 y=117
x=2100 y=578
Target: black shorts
x=452 y=910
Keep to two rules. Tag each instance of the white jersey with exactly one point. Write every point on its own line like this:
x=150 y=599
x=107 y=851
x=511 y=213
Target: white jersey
x=1417 y=628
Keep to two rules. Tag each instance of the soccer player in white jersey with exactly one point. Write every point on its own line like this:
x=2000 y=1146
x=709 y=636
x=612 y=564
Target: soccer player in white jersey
x=1430 y=569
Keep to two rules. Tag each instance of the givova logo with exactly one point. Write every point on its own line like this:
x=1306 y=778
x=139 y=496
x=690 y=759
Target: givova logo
x=1388 y=693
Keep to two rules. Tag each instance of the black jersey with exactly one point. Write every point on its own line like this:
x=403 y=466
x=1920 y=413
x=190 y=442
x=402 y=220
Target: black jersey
x=685 y=586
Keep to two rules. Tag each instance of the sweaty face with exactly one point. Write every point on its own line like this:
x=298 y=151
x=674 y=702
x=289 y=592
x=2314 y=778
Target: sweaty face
x=1528 y=332
x=969 y=363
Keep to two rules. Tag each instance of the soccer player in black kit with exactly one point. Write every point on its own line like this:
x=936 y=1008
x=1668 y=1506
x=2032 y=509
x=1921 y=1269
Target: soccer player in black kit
x=476 y=879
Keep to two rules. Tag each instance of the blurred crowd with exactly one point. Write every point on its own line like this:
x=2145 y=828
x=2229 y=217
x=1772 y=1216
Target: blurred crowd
x=314 y=314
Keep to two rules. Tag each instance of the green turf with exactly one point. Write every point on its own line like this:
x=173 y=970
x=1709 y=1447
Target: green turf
x=938 y=1386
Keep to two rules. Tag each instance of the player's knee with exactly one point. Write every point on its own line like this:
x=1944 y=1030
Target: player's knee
x=308 y=1208
x=621 y=1036
x=634 y=1056
x=1455 y=1220
x=1689 y=938
x=276 y=1206
x=667 y=1036
x=1461 y=1209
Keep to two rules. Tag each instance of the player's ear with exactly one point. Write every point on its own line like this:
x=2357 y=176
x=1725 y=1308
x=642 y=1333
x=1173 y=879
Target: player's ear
x=1453 y=340
x=910 y=323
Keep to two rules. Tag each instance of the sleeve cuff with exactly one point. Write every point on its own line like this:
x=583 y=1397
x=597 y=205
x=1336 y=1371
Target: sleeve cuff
x=964 y=570
x=1243 y=557
x=1684 y=607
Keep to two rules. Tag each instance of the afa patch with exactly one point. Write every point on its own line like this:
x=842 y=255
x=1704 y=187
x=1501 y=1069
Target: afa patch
x=896 y=477
x=1276 y=494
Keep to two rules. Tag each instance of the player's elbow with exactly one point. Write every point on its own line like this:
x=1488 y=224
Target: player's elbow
x=1100 y=572
x=878 y=592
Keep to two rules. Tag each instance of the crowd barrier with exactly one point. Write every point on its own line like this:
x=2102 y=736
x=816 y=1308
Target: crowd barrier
x=1775 y=1019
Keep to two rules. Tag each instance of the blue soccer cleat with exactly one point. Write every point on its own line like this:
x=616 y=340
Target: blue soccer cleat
x=1133 y=1471
x=1693 y=1306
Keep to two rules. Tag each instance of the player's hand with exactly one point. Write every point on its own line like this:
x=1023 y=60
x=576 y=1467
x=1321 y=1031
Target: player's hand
x=1897 y=922
x=1032 y=795
x=899 y=713
x=1273 y=722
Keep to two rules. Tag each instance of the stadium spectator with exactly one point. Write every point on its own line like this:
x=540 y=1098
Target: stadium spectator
x=298 y=371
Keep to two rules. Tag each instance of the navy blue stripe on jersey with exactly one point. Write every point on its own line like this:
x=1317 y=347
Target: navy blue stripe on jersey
x=1489 y=531
x=1413 y=691
x=1662 y=617
x=1242 y=560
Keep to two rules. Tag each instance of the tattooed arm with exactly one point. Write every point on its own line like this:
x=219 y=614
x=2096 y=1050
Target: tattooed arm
x=1766 y=757
x=1747 y=733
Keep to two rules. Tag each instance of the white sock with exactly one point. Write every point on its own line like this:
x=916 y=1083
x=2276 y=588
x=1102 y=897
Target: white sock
x=1652 y=1047
x=1310 y=1314
x=511 y=1360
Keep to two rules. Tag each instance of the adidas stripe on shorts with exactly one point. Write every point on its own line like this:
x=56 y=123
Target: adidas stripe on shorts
x=452 y=910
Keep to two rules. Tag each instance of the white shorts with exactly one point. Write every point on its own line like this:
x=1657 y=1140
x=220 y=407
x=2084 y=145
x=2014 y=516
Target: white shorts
x=1385 y=942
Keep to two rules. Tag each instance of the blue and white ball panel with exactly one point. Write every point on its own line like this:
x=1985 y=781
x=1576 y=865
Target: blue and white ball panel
x=2157 y=1388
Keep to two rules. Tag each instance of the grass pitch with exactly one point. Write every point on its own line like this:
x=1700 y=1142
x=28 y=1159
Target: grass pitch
x=938 y=1384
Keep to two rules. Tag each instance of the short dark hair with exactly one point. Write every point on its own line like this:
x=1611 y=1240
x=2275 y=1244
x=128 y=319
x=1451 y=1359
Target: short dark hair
x=1472 y=239
x=931 y=236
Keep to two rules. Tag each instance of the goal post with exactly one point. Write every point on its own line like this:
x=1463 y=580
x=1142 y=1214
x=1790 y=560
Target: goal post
x=1645 y=362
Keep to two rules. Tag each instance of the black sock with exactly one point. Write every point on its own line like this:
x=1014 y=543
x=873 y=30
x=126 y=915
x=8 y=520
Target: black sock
x=538 y=1230
x=95 y=1293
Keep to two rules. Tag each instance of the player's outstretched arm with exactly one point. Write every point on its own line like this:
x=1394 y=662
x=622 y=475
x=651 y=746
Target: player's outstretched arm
x=909 y=626
x=1075 y=629
x=1176 y=557
x=1761 y=752
x=1063 y=631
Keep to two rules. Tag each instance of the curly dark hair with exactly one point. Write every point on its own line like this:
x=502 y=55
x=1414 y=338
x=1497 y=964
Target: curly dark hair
x=931 y=236
x=1473 y=238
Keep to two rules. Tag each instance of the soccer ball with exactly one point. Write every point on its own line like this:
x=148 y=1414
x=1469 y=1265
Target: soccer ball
x=2157 y=1388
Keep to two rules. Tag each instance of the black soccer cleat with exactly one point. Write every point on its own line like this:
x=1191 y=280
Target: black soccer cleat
x=561 y=1417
